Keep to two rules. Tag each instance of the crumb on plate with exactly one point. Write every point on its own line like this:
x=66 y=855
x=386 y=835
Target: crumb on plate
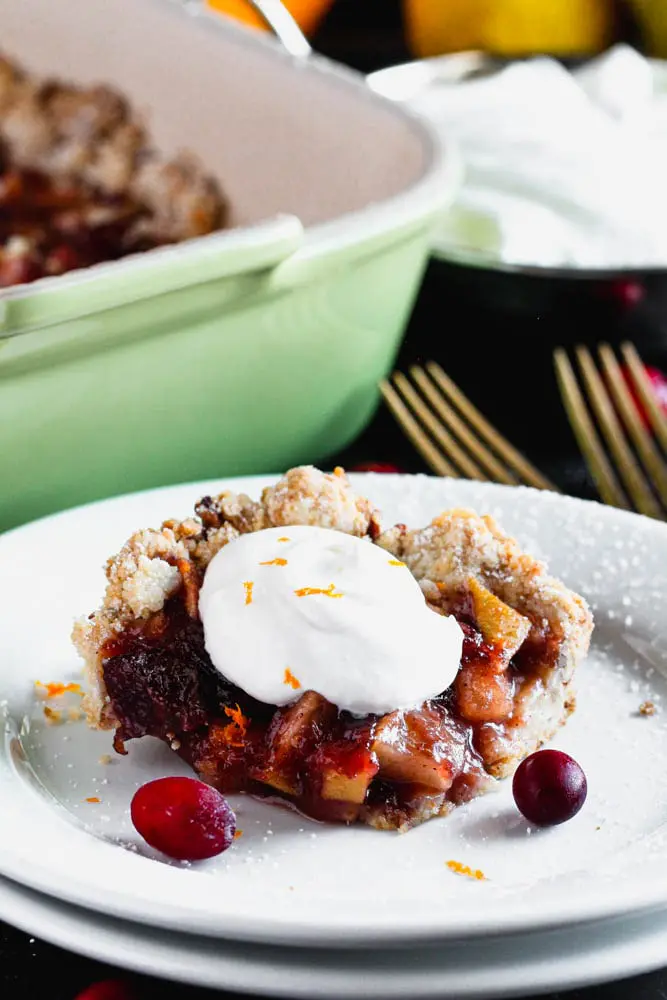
x=52 y=716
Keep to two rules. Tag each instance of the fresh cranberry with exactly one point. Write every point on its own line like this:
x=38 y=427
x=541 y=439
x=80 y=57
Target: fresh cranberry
x=658 y=383
x=549 y=788
x=108 y=989
x=183 y=818
x=375 y=467
x=625 y=292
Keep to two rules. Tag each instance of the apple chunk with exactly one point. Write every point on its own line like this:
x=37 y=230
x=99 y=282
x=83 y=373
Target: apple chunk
x=500 y=625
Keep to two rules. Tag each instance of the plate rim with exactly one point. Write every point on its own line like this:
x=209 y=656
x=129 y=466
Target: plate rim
x=62 y=934
x=642 y=895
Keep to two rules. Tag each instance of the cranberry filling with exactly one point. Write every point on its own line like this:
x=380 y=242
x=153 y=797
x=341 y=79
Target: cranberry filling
x=331 y=766
x=49 y=226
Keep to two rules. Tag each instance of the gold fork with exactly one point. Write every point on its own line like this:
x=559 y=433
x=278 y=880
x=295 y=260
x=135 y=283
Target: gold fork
x=452 y=436
x=604 y=398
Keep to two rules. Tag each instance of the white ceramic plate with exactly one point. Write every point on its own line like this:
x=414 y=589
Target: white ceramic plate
x=287 y=879
x=481 y=970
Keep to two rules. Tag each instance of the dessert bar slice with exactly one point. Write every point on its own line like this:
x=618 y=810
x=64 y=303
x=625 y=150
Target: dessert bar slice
x=150 y=674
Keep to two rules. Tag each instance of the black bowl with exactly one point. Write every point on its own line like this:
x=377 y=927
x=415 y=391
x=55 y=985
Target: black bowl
x=494 y=331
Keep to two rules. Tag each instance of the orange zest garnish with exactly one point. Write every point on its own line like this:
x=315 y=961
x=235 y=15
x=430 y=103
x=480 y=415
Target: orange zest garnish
x=247 y=586
x=56 y=690
x=234 y=733
x=396 y=562
x=92 y=798
x=237 y=834
x=52 y=716
x=275 y=562
x=290 y=679
x=459 y=869
x=283 y=539
x=326 y=592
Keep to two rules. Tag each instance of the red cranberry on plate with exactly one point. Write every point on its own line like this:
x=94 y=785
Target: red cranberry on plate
x=549 y=788
x=658 y=383
x=109 y=989
x=183 y=818
x=626 y=293
x=375 y=467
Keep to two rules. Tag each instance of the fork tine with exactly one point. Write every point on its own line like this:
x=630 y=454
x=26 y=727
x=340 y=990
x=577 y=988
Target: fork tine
x=487 y=432
x=647 y=451
x=587 y=438
x=627 y=465
x=496 y=470
x=451 y=447
x=641 y=383
x=413 y=431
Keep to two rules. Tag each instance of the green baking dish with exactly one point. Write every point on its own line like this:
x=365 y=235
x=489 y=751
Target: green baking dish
x=246 y=351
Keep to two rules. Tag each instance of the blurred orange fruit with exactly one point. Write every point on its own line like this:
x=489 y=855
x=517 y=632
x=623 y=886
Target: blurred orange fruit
x=307 y=13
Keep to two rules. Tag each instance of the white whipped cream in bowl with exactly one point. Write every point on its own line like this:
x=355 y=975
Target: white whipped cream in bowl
x=564 y=169
x=294 y=609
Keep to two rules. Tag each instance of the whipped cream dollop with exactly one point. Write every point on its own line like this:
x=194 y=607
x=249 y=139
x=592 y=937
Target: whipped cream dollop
x=296 y=609
x=563 y=169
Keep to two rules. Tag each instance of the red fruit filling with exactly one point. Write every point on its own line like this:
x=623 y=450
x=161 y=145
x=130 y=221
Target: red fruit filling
x=391 y=771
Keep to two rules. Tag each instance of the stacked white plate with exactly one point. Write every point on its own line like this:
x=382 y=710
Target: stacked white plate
x=300 y=909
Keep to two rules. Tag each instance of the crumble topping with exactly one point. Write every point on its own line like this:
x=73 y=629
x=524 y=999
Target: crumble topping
x=91 y=135
x=145 y=573
x=460 y=545
x=80 y=182
x=309 y=497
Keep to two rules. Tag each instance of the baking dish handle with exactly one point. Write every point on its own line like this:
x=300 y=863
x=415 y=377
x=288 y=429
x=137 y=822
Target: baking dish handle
x=242 y=259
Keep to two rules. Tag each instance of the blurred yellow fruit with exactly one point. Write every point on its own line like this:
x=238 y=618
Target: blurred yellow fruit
x=308 y=13
x=510 y=27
